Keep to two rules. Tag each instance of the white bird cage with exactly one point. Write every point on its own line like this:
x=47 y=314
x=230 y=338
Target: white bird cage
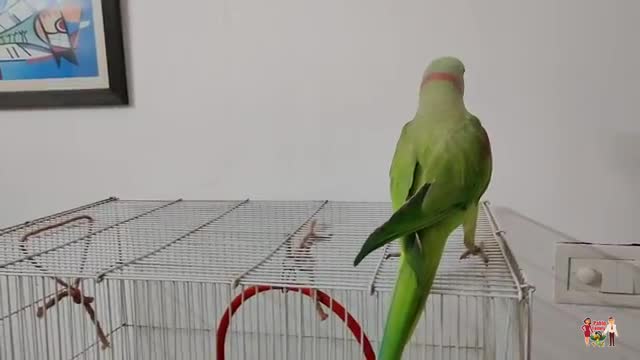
x=163 y=279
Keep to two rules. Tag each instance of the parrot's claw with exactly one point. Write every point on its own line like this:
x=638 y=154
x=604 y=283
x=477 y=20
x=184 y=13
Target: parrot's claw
x=476 y=251
x=392 y=254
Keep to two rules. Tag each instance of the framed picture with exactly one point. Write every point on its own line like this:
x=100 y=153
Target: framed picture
x=56 y=53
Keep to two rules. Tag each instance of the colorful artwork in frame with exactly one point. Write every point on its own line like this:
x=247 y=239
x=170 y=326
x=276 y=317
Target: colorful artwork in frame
x=61 y=53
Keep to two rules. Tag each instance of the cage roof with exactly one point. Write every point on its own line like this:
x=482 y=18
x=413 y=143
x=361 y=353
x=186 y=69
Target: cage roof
x=244 y=242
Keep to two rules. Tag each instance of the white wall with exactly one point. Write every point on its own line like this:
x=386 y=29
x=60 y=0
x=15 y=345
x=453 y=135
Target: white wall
x=305 y=99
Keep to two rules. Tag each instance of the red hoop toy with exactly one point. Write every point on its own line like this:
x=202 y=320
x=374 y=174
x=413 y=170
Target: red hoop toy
x=325 y=299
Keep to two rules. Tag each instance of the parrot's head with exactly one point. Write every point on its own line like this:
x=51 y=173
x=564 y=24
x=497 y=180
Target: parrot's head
x=447 y=64
x=447 y=68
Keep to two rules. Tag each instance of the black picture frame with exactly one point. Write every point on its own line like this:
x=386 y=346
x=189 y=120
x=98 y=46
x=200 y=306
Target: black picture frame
x=116 y=94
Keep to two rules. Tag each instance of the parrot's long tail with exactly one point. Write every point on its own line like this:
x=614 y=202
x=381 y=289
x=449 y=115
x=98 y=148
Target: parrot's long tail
x=406 y=308
x=410 y=296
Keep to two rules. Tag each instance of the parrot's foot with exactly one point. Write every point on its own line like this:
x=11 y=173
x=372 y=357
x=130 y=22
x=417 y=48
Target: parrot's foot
x=476 y=251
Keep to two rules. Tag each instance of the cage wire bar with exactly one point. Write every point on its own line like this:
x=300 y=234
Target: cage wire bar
x=195 y=279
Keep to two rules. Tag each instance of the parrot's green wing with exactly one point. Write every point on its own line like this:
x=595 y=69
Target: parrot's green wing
x=401 y=175
x=403 y=169
x=419 y=212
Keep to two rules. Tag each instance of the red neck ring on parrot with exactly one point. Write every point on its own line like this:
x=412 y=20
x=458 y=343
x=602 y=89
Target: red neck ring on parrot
x=457 y=82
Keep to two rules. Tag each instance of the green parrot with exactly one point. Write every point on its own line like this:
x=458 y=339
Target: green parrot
x=597 y=339
x=441 y=167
